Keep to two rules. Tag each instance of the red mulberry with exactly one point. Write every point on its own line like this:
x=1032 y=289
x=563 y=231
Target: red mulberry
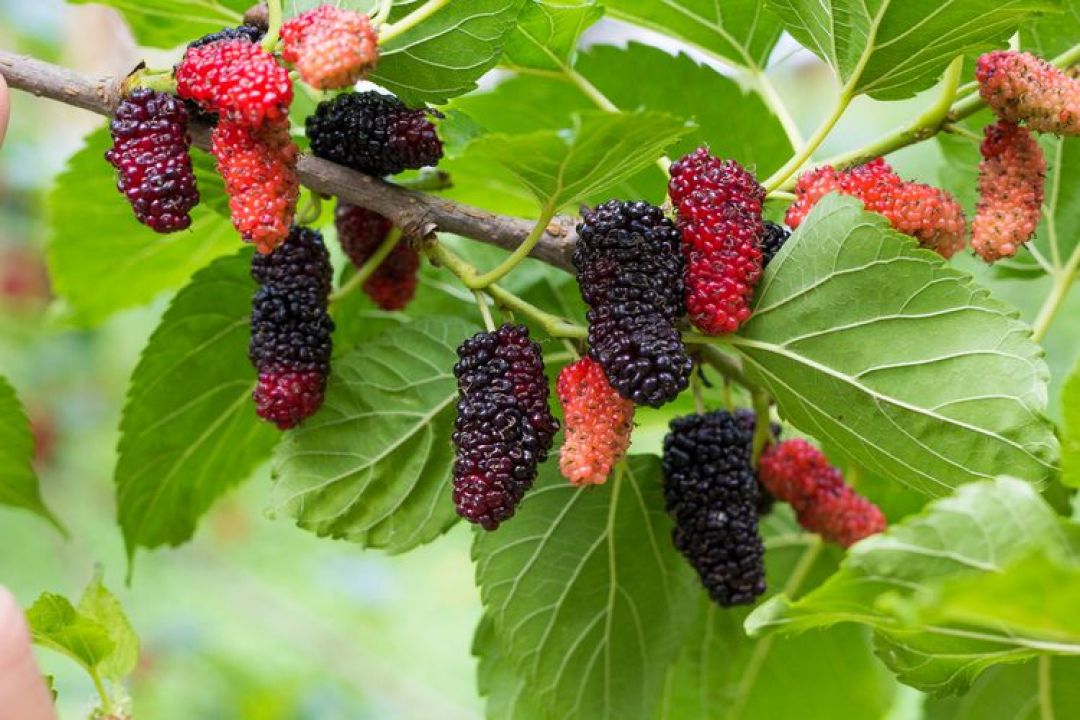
x=237 y=80
x=928 y=214
x=291 y=329
x=330 y=47
x=1011 y=179
x=361 y=232
x=598 y=423
x=719 y=208
x=711 y=493
x=151 y=153
x=373 y=133
x=503 y=428
x=259 y=170
x=1021 y=87
x=630 y=273
x=798 y=473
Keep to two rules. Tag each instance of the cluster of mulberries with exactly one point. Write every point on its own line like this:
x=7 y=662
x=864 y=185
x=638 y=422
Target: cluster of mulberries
x=373 y=133
x=237 y=80
x=928 y=214
x=361 y=231
x=772 y=239
x=331 y=47
x=798 y=473
x=719 y=209
x=150 y=153
x=1021 y=87
x=712 y=494
x=630 y=272
x=598 y=423
x=291 y=329
x=1011 y=178
x=504 y=427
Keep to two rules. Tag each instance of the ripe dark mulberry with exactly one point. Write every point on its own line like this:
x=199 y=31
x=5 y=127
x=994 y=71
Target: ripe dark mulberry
x=1022 y=87
x=331 y=47
x=630 y=273
x=1011 y=179
x=151 y=154
x=291 y=329
x=361 y=232
x=373 y=133
x=250 y=33
x=798 y=473
x=598 y=423
x=503 y=428
x=719 y=207
x=711 y=493
x=237 y=80
x=772 y=240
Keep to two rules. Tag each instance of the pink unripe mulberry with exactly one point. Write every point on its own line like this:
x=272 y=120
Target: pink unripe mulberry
x=1011 y=178
x=1021 y=87
x=236 y=79
x=331 y=47
x=598 y=423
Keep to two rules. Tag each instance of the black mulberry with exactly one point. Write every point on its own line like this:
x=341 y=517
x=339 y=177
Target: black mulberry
x=711 y=492
x=373 y=133
x=290 y=328
x=772 y=240
x=251 y=33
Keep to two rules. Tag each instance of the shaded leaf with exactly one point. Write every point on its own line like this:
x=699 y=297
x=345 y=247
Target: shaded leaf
x=1034 y=690
x=18 y=482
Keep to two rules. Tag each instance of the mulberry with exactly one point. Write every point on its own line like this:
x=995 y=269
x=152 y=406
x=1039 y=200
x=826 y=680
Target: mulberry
x=291 y=329
x=1011 y=178
x=151 y=154
x=1021 y=87
x=503 y=428
x=798 y=473
x=361 y=232
x=373 y=133
x=598 y=423
x=259 y=170
x=719 y=209
x=630 y=273
x=330 y=47
x=237 y=80
x=250 y=33
x=711 y=493
x=928 y=214
x=772 y=240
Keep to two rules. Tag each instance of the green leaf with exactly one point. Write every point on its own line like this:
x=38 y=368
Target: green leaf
x=445 y=54
x=891 y=49
x=189 y=430
x=498 y=681
x=373 y=466
x=101 y=259
x=979 y=531
x=547 y=33
x=1070 y=434
x=1053 y=33
x=878 y=347
x=741 y=32
x=1041 y=689
x=168 y=23
x=18 y=482
x=56 y=624
x=602 y=150
x=588 y=598
x=101 y=606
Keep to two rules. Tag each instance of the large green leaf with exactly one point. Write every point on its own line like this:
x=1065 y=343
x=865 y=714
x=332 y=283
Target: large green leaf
x=588 y=598
x=373 y=466
x=168 y=23
x=886 y=580
x=1053 y=33
x=742 y=32
x=189 y=430
x=882 y=349
x=445 y=54
x=18 y=481
x=547 y=32
x=1043 y=689
x=1070 y=432
x=891 y=49
x=102 y=260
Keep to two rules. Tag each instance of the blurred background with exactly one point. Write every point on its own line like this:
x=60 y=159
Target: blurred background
x=255 y=619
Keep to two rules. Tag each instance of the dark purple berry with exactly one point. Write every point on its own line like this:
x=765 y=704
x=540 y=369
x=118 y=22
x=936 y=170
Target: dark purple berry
x=772 y=240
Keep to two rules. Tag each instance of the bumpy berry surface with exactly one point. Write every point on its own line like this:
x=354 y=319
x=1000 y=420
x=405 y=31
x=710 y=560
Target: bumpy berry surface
x=258 y=166
x=630 y=273
x=150 y=152
x=1021 y=87
x=928 y=214
x=798 y=473
x=719 y=209
x=1011 y=179
x=361 y=232
x=249 y=33
x=237 y=80
x=373 y=133
x=503 y=428
x=772 y=239
x=331 y=47
x=598 y=423
x=290 y=328
x=710 y=491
